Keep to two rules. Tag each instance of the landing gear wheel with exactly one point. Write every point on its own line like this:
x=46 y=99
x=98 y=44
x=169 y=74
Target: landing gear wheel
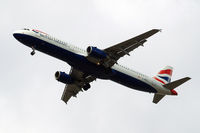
x=86 y=87
x=33 y=52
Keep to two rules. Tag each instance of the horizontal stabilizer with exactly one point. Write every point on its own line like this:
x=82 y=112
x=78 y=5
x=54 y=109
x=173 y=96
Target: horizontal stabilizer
x=157 y=98
x=176 y=83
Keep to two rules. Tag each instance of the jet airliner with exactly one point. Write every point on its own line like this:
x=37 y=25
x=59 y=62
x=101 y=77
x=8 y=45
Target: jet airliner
x=92 y=63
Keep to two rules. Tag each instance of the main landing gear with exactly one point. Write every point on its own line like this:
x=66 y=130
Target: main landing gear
x=33 y=52
x=86 y=87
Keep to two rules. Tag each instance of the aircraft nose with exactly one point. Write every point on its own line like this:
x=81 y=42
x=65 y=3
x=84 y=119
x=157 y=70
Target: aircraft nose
x=18 y=35
x=24 y=38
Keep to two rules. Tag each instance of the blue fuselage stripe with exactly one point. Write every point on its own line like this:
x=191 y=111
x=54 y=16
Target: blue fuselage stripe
x=81 y=63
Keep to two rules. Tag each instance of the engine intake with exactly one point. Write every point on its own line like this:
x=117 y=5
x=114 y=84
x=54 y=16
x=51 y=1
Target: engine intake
x=63 y=77
x=95 y=52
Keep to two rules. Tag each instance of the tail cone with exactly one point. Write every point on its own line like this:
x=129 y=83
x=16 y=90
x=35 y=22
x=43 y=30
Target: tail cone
x=174 y=92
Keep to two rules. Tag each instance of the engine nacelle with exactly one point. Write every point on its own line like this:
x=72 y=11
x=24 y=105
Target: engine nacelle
x=63 y=77
x=95 y=52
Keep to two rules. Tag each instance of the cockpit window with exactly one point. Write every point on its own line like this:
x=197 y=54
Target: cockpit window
x=37 y=31
x=26 y=29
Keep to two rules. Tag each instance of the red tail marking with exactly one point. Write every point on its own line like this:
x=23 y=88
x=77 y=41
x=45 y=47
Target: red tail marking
x=168 y=71
x=159 y=80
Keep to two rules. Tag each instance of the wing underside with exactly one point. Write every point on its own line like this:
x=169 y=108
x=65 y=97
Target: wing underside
x=69 y=91
x=124 y=48
x=81 y=79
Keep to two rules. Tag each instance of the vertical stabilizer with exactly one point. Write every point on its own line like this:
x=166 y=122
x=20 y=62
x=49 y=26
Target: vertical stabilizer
x=164 y=76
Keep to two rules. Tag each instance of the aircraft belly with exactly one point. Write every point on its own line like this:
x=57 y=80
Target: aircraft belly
x=131 y=82
x=75 y=60
x=81 y=63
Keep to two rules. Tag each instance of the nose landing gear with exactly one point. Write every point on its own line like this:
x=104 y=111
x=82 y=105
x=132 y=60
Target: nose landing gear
x=33 y=52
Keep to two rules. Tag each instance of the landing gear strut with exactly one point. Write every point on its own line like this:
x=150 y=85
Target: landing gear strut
x=86 y=87
x=33 y=52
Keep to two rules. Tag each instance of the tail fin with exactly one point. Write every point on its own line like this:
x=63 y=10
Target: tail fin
x=171 y=86
x=164 y=76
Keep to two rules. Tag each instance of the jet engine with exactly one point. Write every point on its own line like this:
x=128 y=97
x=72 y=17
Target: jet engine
x=96 y=53
x=63 y=77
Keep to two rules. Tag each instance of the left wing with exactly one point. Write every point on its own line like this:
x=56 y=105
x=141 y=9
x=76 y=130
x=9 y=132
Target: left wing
x=124 y=48
x=81 y=80
x=69 y=91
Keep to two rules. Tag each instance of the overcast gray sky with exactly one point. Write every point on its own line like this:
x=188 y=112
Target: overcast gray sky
x=30 y=95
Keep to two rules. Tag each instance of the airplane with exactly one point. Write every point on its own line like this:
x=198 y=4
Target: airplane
x=93 y=63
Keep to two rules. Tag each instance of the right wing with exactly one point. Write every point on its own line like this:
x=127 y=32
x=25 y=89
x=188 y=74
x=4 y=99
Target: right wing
x=73 y=89
x=124 y=48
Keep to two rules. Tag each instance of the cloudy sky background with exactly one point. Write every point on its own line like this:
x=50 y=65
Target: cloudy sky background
x=30 y=95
